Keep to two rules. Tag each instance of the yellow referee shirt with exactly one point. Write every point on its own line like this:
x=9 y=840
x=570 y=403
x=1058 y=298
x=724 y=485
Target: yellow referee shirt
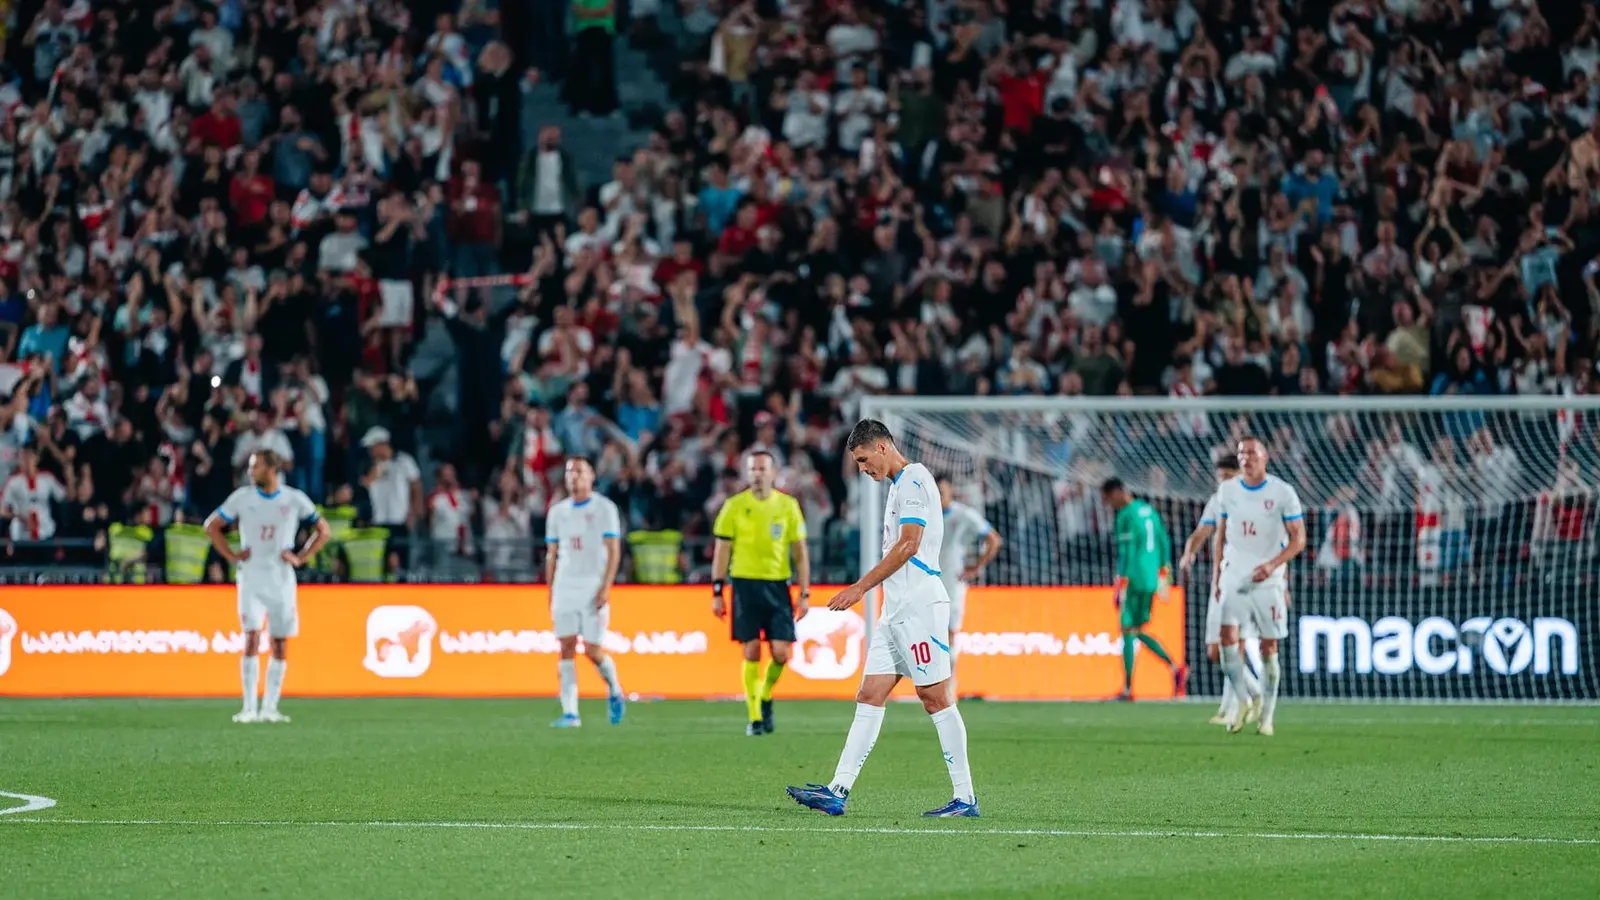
x=761 y=532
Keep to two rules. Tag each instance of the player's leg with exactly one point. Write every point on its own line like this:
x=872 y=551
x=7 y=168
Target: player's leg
x=568 y=623
x=748 y=625
x=1235 y=610
x=251 y=615
x=884 y=669
x=593 y=632
x=1272 y=621
x=1213 y=641
x=283 y=622
x=931 y=663
x=780 y=631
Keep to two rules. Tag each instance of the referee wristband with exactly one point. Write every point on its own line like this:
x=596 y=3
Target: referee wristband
x=716 y=588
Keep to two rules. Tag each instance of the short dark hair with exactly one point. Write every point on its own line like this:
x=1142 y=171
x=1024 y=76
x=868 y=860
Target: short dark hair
x=1251 y=437
x=1112 y=484
x=579 y=457
x=269 y=458
x=868 y=431
x=1228 y=461
x=760 y=451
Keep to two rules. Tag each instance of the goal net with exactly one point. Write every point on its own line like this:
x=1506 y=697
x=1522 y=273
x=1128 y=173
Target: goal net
x=1451 y=542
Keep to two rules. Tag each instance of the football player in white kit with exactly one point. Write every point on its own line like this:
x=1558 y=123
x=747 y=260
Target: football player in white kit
x=1263 y=528
x=909 y=641
x=1206 y=533
x=268 y=515
x=963 y=526
x=583 y=548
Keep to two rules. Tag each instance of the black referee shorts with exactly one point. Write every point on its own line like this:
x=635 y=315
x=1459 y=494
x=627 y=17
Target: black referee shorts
x=761 y=610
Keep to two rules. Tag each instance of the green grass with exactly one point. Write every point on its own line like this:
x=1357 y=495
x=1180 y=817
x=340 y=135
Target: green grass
x=630 y=811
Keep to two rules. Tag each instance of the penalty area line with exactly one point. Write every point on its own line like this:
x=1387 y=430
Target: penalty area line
x=30 y=803
x=1181 y=834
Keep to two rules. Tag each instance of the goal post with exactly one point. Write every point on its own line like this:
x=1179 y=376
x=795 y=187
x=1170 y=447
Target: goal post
x=1451 y=541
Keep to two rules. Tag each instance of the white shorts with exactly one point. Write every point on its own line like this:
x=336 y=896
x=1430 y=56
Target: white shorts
x=274 y=603
x=583 y=621
x=1247 y=630
x=957 y=589
x=398 y=298
x=915 y=645
x=1264 y=605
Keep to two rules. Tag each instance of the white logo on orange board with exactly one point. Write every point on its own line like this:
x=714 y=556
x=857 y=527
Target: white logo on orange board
x=8 y=631
x=829 y=644
x=399 y=641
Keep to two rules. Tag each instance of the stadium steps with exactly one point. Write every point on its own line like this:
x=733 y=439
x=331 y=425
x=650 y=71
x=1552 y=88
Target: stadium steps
x=595 y=143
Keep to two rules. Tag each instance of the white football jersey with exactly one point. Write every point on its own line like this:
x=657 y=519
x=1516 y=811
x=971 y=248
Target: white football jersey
x=29 y=501
x=913 y=496
x=1256 y=520
x=267 y=526
x=581 y=530
x=963 y=527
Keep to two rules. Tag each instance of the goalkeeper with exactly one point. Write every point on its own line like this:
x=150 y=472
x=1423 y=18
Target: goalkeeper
x=1144 y=555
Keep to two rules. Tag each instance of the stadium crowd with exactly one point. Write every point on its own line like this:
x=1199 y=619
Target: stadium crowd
x=225 y=227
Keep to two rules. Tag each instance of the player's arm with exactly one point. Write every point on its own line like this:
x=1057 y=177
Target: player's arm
x=320 y=532
x=722 y=530
x=217 y=525
x=992 y=543
x=552 y=547
x=800 y=548
x=898 y=554
x=1297 y=544
x=1163 y=555
x=612 y=538
x=1217 y=543
x=1203 y=534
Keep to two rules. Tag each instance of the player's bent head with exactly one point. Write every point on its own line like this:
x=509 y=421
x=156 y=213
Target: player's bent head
x=868 y=433
x=947 y=490
x=1227 y=465
x=1113 y=491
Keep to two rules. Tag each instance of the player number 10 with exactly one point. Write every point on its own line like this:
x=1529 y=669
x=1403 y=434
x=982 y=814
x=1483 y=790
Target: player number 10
x=922 y=653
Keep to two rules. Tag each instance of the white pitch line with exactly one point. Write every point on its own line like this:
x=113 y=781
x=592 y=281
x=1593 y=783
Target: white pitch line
x=30 y=803
x=786 y=829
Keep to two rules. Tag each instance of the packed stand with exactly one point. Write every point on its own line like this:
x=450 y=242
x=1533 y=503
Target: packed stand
x=227 y=225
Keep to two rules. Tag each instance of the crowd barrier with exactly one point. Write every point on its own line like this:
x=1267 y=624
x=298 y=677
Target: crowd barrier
x=496 y=641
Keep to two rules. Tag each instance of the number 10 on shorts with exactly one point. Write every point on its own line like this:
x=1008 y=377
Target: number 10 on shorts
x=921 y=653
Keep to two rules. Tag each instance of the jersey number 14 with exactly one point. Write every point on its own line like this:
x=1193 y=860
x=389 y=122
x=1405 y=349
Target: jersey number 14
x=1248 y=528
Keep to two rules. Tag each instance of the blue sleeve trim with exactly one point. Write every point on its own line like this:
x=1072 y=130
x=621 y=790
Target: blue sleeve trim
x=913 y=520
x=610 y=534
x=225 y=517
x=551 y=540
x=1208 y=521
x=311 y=520
x=1294 y=517
x=984 y=531
x=924 y=567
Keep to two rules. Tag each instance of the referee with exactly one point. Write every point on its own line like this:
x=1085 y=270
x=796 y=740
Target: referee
x=760 y=526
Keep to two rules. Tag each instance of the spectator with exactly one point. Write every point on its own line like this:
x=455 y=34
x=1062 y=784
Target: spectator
x=394 y=484
x=592 y=86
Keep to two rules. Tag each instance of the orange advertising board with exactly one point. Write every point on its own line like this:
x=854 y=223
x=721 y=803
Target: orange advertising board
x=496 y=641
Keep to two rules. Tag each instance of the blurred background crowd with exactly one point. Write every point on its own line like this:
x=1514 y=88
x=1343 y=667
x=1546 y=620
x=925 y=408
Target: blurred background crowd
x=278 y=224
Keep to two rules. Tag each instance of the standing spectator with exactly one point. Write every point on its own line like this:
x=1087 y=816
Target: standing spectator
x=263 y=435
x=473 y=223
x=394 y=484
x=450 y=511
x=548 y=190
x=592 y=87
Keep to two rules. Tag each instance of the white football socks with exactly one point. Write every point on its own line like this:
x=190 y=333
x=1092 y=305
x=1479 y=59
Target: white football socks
x=1269 y=693
x=569 y=687
x=858 y=746
x=608 y=671
x=276 y=669
x=1233 y=665
x=953 y=738
x=1230 y=703
x=250 y=681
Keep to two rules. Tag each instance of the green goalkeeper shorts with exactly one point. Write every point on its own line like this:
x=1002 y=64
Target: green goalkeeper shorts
x=1136 y=605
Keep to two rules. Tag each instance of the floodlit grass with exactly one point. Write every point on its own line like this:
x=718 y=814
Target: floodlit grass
x=397 y=798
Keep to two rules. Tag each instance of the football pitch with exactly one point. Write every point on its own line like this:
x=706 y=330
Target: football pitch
x=400 y=798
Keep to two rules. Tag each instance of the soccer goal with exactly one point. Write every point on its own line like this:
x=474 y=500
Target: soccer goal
x=1451 y=547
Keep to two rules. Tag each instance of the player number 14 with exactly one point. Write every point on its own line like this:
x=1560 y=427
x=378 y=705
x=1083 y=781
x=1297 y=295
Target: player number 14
x=1248 y=528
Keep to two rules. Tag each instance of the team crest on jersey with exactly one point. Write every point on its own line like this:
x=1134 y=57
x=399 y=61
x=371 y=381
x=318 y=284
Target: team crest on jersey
x=284 y=510
x=1267 y=504
x=777 y=531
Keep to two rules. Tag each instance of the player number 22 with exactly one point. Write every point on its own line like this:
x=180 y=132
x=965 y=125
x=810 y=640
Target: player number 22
x=922 y=653
x=268 y=532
